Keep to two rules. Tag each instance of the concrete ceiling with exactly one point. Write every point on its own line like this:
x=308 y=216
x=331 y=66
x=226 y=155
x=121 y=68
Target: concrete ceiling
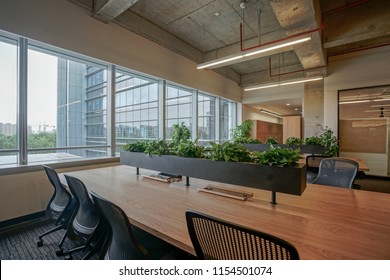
x=203 y=30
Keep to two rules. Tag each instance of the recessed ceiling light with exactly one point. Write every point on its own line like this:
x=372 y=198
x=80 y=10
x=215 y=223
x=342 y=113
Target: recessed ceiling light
x=288 y=104
x=296 y=109
x=216 y=14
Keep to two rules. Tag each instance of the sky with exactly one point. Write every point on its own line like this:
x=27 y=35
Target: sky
x=42 y=87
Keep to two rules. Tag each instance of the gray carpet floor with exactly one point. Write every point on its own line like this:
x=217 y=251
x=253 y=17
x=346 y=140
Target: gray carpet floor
x=19 y=243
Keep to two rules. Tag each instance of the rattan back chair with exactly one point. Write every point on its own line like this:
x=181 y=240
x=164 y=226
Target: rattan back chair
x=215 y=239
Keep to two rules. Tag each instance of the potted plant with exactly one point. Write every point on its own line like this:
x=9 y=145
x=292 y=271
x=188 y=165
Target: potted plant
x=228 y=163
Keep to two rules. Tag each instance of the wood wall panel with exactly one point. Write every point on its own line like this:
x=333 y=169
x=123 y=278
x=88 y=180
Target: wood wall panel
x=267 y=129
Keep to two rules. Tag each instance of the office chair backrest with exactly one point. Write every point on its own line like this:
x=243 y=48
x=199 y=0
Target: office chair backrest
x=313 y=162
x=215 y=239
x=86 y=218
x=122 y=243
x=337 y=172
x=61 y=198
x=313 y=166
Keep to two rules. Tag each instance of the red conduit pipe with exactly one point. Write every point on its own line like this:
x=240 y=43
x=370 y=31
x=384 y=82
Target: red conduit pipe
x=335 y=10
x=308 y=69
x=275 y=41
x=348 y=5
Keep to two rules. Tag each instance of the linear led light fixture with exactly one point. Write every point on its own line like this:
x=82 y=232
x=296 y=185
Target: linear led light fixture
x=383 y=99
x=271 y=113
x=354 y=101
x=283 y=84
x=265 y=50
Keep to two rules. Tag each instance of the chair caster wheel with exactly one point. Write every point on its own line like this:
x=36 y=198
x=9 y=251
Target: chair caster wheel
x=40 y=243
x=68 y=257
x=60 y=252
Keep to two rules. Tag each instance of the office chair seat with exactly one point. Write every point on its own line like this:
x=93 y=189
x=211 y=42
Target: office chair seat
x=215 y=239
x=60 y=206
x=85 y=218
x=125 y=241
x=337 y=172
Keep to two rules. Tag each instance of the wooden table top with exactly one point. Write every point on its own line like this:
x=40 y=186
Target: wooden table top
x=324 y=223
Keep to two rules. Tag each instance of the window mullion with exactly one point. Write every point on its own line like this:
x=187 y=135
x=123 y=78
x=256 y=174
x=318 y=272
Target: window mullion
x=217 y=119
x=194 y=131
x=111 y=110
x=162 y=87
x=22 y=101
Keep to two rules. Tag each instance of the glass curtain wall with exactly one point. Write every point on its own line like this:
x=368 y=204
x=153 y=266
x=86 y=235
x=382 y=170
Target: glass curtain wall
x=206 y=118
x=178 y=108
x=67 y=107
x=54 y=106
x=136 y=108
x=8 y=103
x=227 y=118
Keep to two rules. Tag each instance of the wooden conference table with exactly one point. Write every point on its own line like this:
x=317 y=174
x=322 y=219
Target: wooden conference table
x=324 y=223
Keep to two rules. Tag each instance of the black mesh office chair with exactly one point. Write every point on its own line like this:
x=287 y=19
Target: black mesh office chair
x=313 y=166
x=60 y=206
x=215 y=239
x=125 y=241
x=85 y=218
x=337 y=172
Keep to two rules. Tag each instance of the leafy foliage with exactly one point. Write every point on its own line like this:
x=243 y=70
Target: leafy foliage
x=189 y=149
x=38 y=140
x=180 y=133
x=282 y=157
x=330 y=142
x=139 y=146
x=229 y=152
x=157 y=147
x=291 y=141
x=271 y=140
x=313 y=140
x=241 y=133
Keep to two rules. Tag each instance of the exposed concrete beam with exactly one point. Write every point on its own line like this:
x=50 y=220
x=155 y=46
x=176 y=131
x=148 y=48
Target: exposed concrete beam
x=145 y=28
x=107 y=10
x=300 y=16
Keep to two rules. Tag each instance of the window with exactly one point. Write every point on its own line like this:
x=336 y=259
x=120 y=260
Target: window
x=8 y=103
x=206 y=118
x=64 y=98
x=178 y=107
x=136 y=108
x=227 y=118
x=66 y=107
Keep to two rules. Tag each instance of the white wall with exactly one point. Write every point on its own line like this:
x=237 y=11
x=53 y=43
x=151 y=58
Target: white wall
x=27 y=193
x=66 y=25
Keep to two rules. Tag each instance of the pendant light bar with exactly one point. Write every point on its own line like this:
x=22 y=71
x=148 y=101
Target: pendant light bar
x=283 y=84
x=265 y=50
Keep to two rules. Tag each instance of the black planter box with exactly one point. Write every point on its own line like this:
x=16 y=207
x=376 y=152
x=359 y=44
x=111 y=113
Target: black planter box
x=290 y=180
x=305 y=149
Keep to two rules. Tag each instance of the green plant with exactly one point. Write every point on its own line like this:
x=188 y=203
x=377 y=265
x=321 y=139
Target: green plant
x=282 y=157
x=329 y=141
x=157 y=147
x=229 y=152
x=271 y=140
x=189 y=149
x=293 y=141
x=180 y=133
x=138 y=146
x=313 y=140
x=242 y=131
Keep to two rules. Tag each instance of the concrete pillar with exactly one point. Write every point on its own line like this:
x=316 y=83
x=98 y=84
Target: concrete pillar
x=313 y=108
